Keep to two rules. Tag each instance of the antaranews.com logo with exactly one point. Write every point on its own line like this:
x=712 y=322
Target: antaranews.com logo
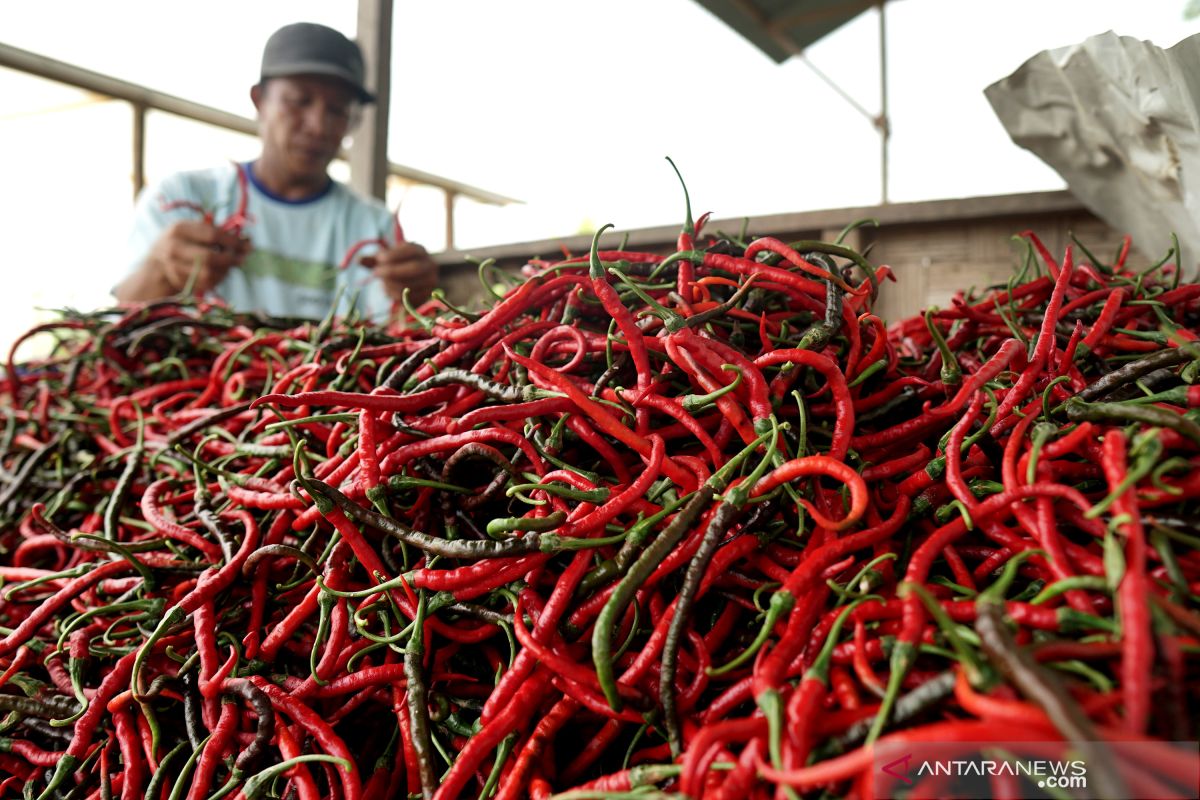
x=1036 y=770
x=1045 y=773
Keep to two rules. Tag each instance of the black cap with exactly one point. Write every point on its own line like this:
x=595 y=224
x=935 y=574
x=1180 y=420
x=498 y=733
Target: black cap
x=306 y=48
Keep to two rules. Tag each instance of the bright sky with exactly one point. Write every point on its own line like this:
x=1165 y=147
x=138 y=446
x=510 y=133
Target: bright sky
x=567 y=105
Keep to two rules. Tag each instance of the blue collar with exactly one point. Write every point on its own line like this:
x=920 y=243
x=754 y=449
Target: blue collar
x=312 y=198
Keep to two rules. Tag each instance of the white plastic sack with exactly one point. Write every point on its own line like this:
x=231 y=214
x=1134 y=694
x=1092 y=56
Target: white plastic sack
x=1119 y=119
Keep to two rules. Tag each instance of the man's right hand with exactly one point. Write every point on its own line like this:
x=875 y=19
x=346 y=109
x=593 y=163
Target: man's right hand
x=187 y=247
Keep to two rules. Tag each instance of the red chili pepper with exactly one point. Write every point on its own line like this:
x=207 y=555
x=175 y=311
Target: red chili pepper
x=1137 y=655
x=687 y=361
x=358 y=247
x=26 y=629
x=861 y=662
x=299 y=775
x=524 y=663
x=508 y=309
x=708 y=740
x=239 y=218
x=213 y=752
x=770 y=669
x=1041 y=351
x=322 y=733
x=906 y=463
x=819 y=465
x=543 y=734
x=173 y=530
x=479 y=745
x=553 y=409
x=603 y=420
x=859 y=761
x=792 y=257
x=370 y=402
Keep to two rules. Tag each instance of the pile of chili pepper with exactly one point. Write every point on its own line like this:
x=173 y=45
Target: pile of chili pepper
x=693 y=525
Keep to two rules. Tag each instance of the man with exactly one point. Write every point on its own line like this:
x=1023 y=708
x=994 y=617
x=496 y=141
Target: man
x=300 y=222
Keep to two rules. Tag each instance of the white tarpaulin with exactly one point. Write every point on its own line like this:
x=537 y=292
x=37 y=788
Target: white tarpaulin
x=1119 y=119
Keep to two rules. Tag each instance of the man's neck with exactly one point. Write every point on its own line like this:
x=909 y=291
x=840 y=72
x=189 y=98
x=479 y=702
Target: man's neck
x=281 y=184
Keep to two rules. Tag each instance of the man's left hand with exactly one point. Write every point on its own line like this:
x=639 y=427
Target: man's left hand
x=405 y=266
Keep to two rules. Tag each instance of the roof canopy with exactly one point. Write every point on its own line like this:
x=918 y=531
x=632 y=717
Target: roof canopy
x=783 y=28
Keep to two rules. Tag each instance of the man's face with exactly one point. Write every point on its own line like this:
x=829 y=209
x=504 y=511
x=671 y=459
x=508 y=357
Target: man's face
x=302 y=121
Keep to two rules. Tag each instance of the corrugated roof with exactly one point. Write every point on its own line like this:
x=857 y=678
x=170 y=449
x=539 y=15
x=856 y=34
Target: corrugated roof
x=783 y=28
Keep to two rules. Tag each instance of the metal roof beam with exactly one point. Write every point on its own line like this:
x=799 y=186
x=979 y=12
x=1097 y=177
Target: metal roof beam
x=779 y=36
x=789 y=32
x=846 y=10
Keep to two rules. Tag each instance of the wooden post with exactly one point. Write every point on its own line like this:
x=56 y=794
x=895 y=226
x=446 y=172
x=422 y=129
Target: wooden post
x=884 y=124
x=139 y=147
x=450 y=198
x=368 y=153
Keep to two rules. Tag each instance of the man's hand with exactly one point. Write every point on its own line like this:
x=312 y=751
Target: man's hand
x=187 y=247
x=405 y=266
x=200 y=247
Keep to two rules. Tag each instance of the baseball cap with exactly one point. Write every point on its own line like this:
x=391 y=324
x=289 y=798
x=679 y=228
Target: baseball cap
x=306 y=48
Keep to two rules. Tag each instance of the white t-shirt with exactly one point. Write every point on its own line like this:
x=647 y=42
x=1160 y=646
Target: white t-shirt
x=296 y=245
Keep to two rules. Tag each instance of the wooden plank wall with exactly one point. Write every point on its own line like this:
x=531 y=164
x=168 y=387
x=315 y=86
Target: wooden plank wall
x=936 y=248
x=933 y=261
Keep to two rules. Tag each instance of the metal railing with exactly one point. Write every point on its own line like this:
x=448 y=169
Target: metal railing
x=143 y=99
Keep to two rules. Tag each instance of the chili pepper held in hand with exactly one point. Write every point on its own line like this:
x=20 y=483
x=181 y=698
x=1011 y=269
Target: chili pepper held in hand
x=235 y=221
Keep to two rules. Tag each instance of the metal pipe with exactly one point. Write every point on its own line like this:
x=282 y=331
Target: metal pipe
x=62 y=72
x=832 y=84
x=99 y=83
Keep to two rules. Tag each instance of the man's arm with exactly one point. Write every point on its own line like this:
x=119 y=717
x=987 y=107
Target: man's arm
x=183 y=249
x=165 y=248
